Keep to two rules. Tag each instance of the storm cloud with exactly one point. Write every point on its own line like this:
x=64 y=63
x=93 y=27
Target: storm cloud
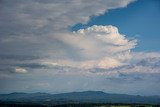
x=39 y=52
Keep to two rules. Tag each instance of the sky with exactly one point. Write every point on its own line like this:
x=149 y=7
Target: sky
x=57 y=46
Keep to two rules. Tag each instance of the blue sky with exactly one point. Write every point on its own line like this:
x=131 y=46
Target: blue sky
x=138 y=20
x=59 y=46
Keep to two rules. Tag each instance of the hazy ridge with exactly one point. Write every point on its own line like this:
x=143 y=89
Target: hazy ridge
x=76 y=98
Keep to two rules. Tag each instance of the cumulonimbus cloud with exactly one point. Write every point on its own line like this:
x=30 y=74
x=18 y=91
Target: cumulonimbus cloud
x=30 y=28
x=36 y=47
x=97 y=47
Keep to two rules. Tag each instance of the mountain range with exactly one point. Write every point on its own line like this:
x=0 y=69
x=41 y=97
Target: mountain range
x=76 y=98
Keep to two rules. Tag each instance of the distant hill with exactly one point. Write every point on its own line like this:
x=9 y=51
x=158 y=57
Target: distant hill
x=76 y=98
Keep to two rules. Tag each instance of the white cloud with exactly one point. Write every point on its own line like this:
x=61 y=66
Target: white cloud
x=20 y=70
x=140 y=63
x=97 y=46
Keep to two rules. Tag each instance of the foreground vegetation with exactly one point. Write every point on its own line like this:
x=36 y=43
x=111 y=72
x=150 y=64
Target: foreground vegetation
x=80 y=105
